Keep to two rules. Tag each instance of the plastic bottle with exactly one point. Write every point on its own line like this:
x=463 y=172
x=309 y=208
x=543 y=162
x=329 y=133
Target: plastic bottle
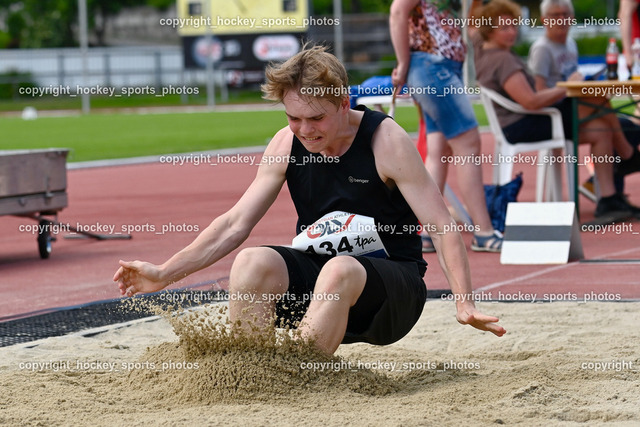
x=635 y=69
x=612 y=60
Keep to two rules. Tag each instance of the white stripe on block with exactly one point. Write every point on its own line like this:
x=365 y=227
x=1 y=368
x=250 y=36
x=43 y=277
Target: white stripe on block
x=556 y=213
x=534 y=252
x=541 y=233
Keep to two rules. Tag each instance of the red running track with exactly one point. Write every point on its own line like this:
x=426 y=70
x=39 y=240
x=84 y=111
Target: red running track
x=151 y=196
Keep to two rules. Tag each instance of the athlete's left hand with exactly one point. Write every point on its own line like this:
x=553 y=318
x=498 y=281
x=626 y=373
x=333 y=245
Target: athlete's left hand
x=467 y=314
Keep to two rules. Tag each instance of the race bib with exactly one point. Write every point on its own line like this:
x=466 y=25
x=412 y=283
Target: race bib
x=341 y=233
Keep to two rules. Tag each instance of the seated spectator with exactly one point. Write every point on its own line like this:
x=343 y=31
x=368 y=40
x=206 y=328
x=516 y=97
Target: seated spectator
x=554 y=57
x=498 y=68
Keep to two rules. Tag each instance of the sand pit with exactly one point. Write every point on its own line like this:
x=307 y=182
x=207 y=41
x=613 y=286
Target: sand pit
x=559 y=364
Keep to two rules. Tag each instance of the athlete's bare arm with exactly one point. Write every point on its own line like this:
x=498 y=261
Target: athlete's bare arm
x=223 y=235
x=399 y=164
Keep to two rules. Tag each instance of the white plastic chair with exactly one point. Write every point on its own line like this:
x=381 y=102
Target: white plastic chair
x=549 y=177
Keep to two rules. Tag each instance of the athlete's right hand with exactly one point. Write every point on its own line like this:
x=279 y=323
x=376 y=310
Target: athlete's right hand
x=138 y=276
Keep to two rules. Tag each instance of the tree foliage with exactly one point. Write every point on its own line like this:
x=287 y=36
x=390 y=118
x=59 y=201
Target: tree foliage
x=325 y=7
x=53 y=23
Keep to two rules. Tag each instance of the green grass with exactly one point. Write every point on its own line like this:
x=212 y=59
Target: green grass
x=481 y=116
x=75 y=103
x=109 y=136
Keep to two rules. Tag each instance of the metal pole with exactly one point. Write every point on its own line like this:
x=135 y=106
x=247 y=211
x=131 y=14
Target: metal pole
x=84 y=51
x=158 y=66
x=337 y=30
x=211 y=87
x=466 y=69
x=107 y=68
x=61 y=74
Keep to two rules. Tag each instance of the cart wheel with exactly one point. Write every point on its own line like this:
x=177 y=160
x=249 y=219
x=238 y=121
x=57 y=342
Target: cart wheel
x=44 y=239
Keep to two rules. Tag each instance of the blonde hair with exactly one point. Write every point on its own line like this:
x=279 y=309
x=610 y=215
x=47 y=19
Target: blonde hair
x=312 y=72
x=492 y=12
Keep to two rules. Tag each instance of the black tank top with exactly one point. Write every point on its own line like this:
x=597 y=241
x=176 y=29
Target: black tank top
x=351 y=183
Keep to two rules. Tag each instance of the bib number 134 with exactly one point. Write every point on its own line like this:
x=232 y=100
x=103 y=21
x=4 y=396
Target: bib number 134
x=327 y=247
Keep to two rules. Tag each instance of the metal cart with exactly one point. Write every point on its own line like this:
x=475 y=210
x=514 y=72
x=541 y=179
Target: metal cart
x=33 y=184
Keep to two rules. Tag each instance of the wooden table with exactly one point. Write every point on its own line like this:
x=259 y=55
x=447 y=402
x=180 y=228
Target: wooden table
x=600 y=88
x=580 y=90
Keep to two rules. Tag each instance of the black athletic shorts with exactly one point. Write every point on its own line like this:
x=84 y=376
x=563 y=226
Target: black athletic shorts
x=390 y=305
